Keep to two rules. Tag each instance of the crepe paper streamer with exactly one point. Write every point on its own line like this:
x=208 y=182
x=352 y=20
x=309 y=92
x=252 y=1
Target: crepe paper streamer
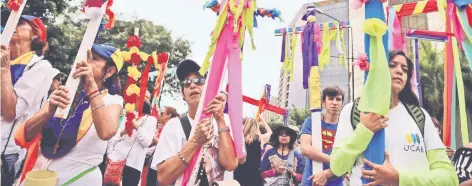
x=467 y=42
x=86 y=44
x=462 y=3
x=453 y=113
x=290 y=52
x=282 y=57
x=460 y=93
x=299 y=29
x=309 y=50
x=341 y=46
x=395 y=38
x=414 y=8
x=261 y=12
x=10 y=27
x=269 y=107
x=225 y=47
x=158 y=87
x=417 y=79
x=267 y=91
x=315 y=108
x=263 y=102
x=324 y=57
x=457 y=28
x=356 y=4
x=448 y=79
x=376 y=94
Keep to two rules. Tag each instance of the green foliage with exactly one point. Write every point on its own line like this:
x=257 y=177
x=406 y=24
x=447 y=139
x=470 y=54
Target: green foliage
x=432 y=79
x=296 y=118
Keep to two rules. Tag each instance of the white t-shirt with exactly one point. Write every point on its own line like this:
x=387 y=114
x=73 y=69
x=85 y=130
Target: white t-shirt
x=403 y=140
x=172 y=140
x=30 y=90
x=143 y=136
x=86 y=154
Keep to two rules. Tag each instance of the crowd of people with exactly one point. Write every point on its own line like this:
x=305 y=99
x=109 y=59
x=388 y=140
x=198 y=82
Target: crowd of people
x=93 y=147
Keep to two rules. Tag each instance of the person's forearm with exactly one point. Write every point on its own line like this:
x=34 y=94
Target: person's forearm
x=154 y=141
x=268 y=173
x=441 y=172
x=466 y=183
x=344 y=156
x=8 y=96
x=105 y=124
x=315 y=154
x=226 y=155
x=35 y=124
x=174 y=167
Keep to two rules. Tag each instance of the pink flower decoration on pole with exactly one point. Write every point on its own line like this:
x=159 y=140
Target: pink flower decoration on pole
x=362 y=62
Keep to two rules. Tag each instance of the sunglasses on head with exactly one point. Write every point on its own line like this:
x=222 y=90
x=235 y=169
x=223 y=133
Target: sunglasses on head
x=196 y=81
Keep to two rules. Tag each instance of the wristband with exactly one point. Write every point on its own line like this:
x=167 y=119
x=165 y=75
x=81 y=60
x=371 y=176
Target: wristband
x=92 y=93
x=226 y=129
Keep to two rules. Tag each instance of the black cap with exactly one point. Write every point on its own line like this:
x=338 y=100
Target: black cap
x=186 y=67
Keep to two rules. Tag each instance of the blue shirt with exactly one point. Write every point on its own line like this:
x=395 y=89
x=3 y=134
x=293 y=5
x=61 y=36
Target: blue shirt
x=328 y=135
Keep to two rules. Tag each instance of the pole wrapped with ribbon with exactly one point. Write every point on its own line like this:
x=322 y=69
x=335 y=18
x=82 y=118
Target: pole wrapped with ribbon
x=226 y=43
x=16 y=6
x=161 y=66
x=95 y=10
x=376 y=94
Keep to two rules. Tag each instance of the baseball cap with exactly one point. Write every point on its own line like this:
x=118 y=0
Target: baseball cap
x=186 y=67
x=37 y=23
x=109 y=53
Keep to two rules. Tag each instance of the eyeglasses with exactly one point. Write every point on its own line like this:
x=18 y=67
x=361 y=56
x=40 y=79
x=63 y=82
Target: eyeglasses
x=196 y=81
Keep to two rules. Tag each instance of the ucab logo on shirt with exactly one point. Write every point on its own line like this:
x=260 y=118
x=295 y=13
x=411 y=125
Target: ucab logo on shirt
x=413 y=143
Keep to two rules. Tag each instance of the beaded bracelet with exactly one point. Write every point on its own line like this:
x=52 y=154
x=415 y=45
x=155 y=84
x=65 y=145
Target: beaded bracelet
x=182 y=158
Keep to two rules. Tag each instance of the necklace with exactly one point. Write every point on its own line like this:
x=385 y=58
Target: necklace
x=63 y=126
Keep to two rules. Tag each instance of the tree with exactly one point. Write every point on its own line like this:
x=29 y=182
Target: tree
x=432 y=79
x=296 y=118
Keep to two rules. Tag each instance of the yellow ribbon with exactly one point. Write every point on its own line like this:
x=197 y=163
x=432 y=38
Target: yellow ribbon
x=377 y=91
x=214 y=38
x=315 y=89
x=460 y=92
x=288 y=63
x=326 y=37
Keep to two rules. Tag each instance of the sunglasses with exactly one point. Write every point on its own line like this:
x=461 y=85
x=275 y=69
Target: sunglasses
x=283 y=134
x=196 y=81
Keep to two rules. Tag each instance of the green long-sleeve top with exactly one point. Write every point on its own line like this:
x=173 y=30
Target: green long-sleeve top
x=441 y=171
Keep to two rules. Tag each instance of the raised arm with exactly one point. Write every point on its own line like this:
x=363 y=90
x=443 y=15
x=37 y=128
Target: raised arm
x=265 y=137
x=19 y=98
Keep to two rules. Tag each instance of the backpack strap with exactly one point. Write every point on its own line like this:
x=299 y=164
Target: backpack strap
x=186 y=126
x=413 y=110
x=417 y=114
x=355 y=113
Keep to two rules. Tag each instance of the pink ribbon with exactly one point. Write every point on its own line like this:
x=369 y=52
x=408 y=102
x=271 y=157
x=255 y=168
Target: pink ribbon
x=226 y=47
x=456 y=26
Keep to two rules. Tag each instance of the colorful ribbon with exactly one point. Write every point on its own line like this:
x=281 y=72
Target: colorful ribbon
x=309 y=49
x=395 y=38
x=376 y=93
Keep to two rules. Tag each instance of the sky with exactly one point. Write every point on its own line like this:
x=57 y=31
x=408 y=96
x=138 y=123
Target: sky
x=188 y=19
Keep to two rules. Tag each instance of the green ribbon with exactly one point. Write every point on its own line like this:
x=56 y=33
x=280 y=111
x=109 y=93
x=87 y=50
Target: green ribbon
x=377 y=90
